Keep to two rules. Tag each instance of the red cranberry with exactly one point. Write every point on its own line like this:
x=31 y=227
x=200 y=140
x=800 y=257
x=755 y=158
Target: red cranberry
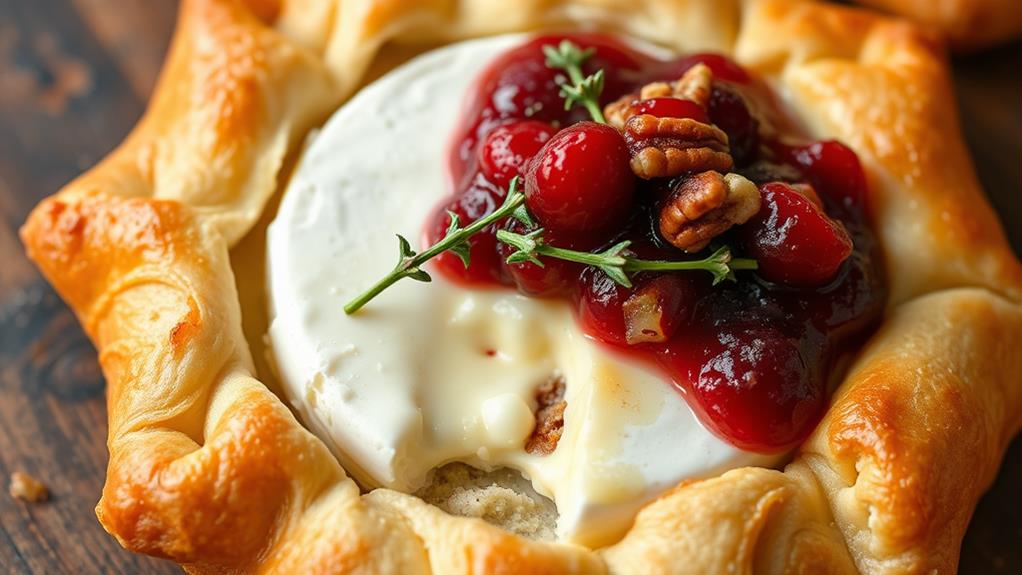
x=833 y=168
x=723 y=68
x=479 y=200
x=580 y=181
x=671 y=108
x=600 y=307
x=505 y=151
x=752 y=382
x=556 y=277
x=729 y=111
x=759 y=382
x=518 y=85
x=622 y=66
x=793 y=240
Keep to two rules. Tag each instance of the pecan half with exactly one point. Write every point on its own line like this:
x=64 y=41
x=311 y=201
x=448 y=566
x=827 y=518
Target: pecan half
x=703 y=206
x=668 y=147
x=696 y=85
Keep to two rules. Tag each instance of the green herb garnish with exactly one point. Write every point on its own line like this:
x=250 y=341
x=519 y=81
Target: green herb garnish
x=584 y=90
x=455 y=240
x=617 y=262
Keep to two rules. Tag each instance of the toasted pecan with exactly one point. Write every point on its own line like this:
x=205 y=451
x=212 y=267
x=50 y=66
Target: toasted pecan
x=695 y=85
x=705 y=205
x=668 y=147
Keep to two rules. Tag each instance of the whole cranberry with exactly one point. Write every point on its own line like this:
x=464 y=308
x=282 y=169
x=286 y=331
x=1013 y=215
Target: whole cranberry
x=518 y=85
x=556 y=277
x=581 y=181
x=730 y=112
x=479 y=199
x=506 y=150
x=833 y=168
x=754 y=383
x=723 y=68
x=793 y=240
x=600 y=307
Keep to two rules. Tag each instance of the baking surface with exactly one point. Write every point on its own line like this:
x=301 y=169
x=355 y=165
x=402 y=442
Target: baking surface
x=74 y=77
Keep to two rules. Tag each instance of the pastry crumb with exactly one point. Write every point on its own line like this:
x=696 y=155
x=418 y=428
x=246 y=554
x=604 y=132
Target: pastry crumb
x=27 y=488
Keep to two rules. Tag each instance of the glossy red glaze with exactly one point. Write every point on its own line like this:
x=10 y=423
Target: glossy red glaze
x=477 y=200
x=832 y=167
x=671 y=108
x=519 y=86
x=555 y=277
x=599 y=307
x=752 y=381
x=723 y=68
x=504 y=152
x=658 y=306
x=793 y=240
x=580 y=181
x=752 y=357
x=729 y=111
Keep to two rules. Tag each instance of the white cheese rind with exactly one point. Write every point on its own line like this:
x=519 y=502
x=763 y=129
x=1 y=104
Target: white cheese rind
x=407 y=384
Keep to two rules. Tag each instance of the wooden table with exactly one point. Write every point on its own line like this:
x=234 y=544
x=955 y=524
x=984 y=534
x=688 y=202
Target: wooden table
x=74 y=78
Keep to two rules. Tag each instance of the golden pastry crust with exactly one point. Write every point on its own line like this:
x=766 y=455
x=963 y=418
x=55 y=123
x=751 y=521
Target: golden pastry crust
x=969 y=24
x=210 y=469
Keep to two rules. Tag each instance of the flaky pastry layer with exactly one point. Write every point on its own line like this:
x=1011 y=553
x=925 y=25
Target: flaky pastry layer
x=209 y=468
x=969 y=24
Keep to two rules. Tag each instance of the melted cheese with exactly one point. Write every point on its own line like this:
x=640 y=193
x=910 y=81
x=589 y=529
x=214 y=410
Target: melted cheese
x=411 y=381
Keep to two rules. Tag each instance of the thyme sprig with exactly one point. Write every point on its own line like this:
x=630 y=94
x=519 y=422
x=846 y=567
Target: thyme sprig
x=455 y=240
x=618 y=262
x=583 y=90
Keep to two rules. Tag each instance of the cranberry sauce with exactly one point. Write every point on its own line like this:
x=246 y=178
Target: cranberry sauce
x=753 y=356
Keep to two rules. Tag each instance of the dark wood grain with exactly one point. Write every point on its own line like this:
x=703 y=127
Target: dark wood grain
x=69 y=92
x=74 y=77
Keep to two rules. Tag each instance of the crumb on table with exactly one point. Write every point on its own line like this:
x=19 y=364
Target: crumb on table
x=27 y=488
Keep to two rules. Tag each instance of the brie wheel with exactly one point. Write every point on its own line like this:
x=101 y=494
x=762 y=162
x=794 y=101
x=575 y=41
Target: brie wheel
x=428 y=374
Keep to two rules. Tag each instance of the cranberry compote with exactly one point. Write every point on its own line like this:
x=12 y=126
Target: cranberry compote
x=580 y=181
x=754 y=356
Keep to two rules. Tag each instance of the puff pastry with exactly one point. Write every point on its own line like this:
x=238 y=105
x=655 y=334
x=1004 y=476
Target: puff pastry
x=210 y=469
x=968 y=23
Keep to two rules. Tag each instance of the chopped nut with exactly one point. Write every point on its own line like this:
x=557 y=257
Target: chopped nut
x=655 y=309
x=705 y=205
x=27 y=488
x=549 y=418
x=668 y=147
x=696 y=85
